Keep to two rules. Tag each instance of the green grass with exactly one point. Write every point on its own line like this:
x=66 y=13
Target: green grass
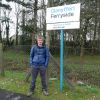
x=86 y=59
x=15 y=55
x=16 y=59
x=14 y=81
x=11 y=54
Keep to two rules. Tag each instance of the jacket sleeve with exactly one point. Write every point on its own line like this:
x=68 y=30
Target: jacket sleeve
x=47 y=56
x=31 y=55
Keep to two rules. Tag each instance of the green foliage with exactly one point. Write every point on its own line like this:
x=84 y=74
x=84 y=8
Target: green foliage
x=28 y=28
x=86 y=69
x=16 y=60
x=14 y=81
x=25 y=39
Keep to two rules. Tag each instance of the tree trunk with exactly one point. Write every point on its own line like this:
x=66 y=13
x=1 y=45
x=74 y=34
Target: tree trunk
x=44 y=21
x=7 y=32
x=23 y=24
x=99 y=27
x=0 y=27
x=82 y=43
x=35 y=21
x=1 y=61
x=0 y=33
x=95 y=29
x=16 y=29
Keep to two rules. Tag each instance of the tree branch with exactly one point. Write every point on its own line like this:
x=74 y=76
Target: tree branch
x=5 y=6
x=20 y=2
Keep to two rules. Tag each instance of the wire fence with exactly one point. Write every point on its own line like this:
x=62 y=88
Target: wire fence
x=85 y=69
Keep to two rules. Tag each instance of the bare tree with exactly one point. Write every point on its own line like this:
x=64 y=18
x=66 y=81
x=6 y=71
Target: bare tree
x=1 y=61
x=17 y=13
x=35 y=20
x=6 y=7
x=6 y=20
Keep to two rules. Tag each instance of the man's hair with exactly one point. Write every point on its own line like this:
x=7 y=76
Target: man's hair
x=39 y=36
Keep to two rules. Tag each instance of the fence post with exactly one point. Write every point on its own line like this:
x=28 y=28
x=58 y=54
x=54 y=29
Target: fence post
x=1 y=61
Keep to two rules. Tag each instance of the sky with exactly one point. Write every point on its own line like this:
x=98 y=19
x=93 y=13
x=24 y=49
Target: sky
x=12 y=16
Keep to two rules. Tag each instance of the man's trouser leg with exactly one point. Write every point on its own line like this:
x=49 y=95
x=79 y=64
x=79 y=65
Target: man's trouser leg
x=43 y=78
x=34 y=74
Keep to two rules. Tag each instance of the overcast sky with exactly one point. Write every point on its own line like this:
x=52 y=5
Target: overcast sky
x=13 y=17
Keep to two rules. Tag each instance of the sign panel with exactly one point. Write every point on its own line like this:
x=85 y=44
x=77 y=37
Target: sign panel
x=63 y=17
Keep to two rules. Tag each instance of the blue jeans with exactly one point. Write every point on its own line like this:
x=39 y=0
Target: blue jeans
x=34 y=73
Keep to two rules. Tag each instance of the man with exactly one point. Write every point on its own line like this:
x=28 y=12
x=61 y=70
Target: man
x=39 y=58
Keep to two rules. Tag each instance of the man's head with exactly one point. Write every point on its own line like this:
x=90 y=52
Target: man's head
x=40 y=40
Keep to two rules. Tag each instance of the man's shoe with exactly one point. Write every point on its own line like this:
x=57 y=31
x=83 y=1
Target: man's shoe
x=29 y=93
x=45 y=93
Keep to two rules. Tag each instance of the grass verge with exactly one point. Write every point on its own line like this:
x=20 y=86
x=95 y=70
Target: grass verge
x=14 y=81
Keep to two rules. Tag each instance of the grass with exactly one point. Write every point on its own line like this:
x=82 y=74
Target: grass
x=15 y=55
x=86 y=68
x=14 y=81
x=86 y=58
x=16 y=59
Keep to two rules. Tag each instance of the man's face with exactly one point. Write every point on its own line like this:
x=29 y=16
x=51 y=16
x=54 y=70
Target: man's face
x=40 y=41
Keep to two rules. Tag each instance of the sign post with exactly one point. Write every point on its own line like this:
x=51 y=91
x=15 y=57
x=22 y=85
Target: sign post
x=60 y=18
x=61 y=58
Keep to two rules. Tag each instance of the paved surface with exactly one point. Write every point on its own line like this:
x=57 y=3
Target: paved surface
x=6 y=95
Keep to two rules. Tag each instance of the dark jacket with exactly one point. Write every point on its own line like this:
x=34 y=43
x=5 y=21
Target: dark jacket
x=39 y=56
